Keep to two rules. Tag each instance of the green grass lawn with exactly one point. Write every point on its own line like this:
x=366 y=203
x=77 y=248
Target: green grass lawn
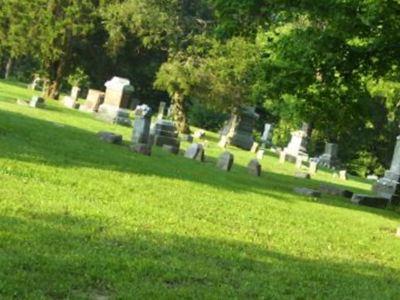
x=81 y=219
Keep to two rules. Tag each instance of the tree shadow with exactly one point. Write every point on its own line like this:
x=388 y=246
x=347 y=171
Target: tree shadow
x=31 y=140
x=60 y=256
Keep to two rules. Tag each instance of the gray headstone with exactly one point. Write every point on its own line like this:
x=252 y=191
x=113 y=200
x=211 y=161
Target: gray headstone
x=36 y=102
x=330 y=157
x=161 y=110
x=254 y=168
x=225 y=161
x=141 y=125
x=255 y=147
x=165 y=133
x=110 y=137
x=313 y=168
x=196 y=152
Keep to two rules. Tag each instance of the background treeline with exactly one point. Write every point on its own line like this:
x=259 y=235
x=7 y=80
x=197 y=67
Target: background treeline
x=331 y=63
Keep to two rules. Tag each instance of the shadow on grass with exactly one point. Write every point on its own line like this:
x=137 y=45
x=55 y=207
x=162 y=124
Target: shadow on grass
x=23 y=138
x=62 y=256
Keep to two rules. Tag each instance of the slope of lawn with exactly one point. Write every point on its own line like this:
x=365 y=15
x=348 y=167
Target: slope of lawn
x=80 y=219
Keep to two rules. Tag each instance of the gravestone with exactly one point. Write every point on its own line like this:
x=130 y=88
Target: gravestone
x=298 y=144
x=170 y=149
x=161 y=110
x=200 y=134
x=225 y=161
x=307 y=192
x=165 y=133
x=260 y=154
x=195 y=152
x=71 y=101
x=35 y=85
x=299 y=162
x=36 y=102
x=141 y=126
x=398 y=232
x=110 y=137
x=75 y=93
x=239 y=129
x=266 y=137
x=93 y=101
x=144 y=149
x=389 y=186
x=116 y=102
x=343 y=175
x=371 y=201
x=186 y=138
x=313 y=168
x=255 y=147
x=282 y=157
x=302 y=175
x=254 y=168
x=330 y=157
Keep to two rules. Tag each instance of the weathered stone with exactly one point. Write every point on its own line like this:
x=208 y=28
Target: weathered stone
x=302 y=175
x=161 y=110
x=223 y=143
x=330 y=157
x=371 y=201
x=298 y=143
x=69 y=102
x=141 y=126
x=36 y=102
x=225 y=161
x=299 y=162
x=165 y=133
x=266 y=137
x=196 y=152
x=110 y=137
x=93 y=101
x=170 y=149
x=313 y=168
x=144 y=149
x=239 y=129
x=117 y=100
x=335 y=191
x=75 y=93
x=307 y=192
x=260 y=154
x=282 y=157
x=343 y=175
x=255 y=147
x=254 y=168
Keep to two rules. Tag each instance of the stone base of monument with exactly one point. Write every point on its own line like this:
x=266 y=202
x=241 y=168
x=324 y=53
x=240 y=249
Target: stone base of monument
x=242 y=140
x=371 y=201
x=144 y=149
x=388 y=187
x=114 y=115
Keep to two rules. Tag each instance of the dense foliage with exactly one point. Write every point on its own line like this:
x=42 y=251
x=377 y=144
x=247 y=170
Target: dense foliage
x=333 y=64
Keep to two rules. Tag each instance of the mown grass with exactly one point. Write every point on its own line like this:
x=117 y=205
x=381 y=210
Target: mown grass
x=81 y=219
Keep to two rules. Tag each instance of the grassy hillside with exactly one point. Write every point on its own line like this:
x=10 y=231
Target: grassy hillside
x=81 y=219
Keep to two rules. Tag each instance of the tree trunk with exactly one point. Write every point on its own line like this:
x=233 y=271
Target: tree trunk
x=53 y=91
x=9 y=66
x=179 y=113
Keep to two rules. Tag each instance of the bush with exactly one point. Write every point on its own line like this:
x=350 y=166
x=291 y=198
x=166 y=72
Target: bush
x=202 y=117
x=364 y=164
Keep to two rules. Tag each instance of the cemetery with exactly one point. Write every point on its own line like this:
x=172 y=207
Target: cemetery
x=199 y=150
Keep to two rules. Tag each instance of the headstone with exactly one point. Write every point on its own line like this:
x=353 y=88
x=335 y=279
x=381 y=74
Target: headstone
x=372 y=177
x=335 y=191
x=255 y=147
x=144 y=149
x=389 y=186
x=330 y=157
x=371 y=201
x=299 y=162
x=282 y=157
x=343 y=175
x=302 y=175
x=165 y=133
x=36 y=102
x=298 y=144
x=223 y=143
x=110 y=137
x=75 y=93
x=225 y=161
x=398 y=232
x=195 y=152
x=313 y=168
x=117 y=100
x=199 y=134
x=260 y=154
x=93 y=101
x=307 y=192
x=161 y=110
x=141 y=126
x=254 y=168
x=239 y=129
x=266 y=137
x=35 y=85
